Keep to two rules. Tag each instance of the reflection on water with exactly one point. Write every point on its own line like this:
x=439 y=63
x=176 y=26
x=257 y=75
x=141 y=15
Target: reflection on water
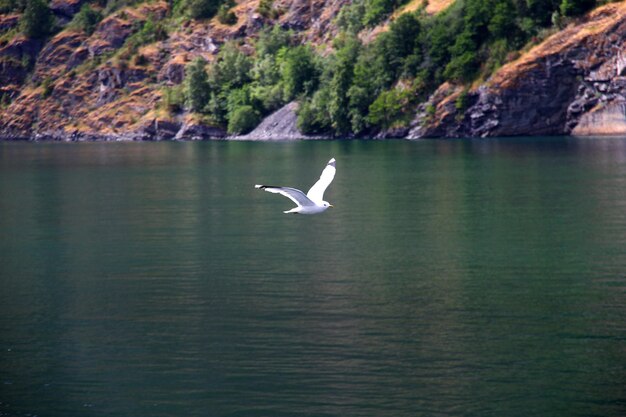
x=480 y=277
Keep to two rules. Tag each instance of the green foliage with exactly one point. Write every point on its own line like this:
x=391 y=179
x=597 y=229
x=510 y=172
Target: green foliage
x=173 y=99
x=470 y=39
x=267 y=97
x=306 y=118
x=386 y=108
x=377 y=10
x=502 y=24
x=237 y=98
x=360 y=98
x=5 y=100
x=202 y=9
x=148 y=32
x=299 y=73
x=272 y=69
x=389 y=107
x=362 y=88
x=140 y=60
x=375 y=67
x=24 y=64
x=461 y=102
x=111 y=6
x=575 y=7
x=11 y=6
x=499 y=52
x=87 y=19
x=10 y=34
x=462 y=68
x=313 y=114
x=46 y=87
x=232 y=69
x=351 y=16
x=225 y=15
x=267 y=10
x=216 y=107
x=265 y=71
x=242 y=120
x=342 y=70
x=273 y=40
x=360 y=13
x=225 y=90
x=196 y=85
x=37 y=21
x=374 y=71
x=404 y=33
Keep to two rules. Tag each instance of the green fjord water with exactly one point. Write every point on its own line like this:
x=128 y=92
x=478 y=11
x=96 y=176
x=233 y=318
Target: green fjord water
x=452 y=278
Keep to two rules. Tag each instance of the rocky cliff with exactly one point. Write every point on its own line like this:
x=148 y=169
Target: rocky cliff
x=572 y=83
x=280 y=125
x=78 y=86
x=81 y=87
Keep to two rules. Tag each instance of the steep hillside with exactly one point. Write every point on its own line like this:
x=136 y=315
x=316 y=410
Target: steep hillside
x=110 y=85
x=572 y=83
x=110 y=70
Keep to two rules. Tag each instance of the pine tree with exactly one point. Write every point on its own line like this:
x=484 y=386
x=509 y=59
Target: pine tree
x=203 y=9
x=197 y=88
x=36 y=22
x=298 y=71
x=575 y=7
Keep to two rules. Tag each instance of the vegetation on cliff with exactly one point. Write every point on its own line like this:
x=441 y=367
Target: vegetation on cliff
x=229 y=64
x=362 y=87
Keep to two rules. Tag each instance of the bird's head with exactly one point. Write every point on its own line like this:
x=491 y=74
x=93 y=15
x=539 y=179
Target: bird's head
x=327 y=204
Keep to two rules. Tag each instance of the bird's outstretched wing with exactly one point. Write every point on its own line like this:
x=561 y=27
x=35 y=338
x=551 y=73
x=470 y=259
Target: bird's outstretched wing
x=293 y=194
x=316 y=193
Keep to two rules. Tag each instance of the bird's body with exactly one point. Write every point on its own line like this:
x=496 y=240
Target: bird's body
x=311 y=202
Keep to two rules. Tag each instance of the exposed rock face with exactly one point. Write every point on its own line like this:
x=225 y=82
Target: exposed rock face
x=110 y=35
x=314 y=17
x=65 y=8
x=574 y=82
x=604 y=120
x=280 y=125
x=56 y=54
x=174 y=72
x=16 y=59
x=9 y=22
x=194 y=131
x=83 y=88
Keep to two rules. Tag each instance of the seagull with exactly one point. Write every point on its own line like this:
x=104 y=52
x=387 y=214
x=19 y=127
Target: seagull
x=311 y=203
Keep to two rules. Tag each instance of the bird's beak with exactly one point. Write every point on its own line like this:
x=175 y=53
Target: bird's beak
x=330 y=205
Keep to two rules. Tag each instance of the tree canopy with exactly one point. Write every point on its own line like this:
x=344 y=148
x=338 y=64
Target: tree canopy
x=361 y=88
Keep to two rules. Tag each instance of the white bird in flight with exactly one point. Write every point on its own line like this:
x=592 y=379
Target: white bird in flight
x=311 y=203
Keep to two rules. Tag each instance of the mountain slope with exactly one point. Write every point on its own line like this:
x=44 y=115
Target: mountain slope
x=126 y=78
x=572 y=83
x=87 y=87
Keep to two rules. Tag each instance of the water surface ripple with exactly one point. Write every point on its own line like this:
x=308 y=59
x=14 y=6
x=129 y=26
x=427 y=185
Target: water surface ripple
x=452 y=278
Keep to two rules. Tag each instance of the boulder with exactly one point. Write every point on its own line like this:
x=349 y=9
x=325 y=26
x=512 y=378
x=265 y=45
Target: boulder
x=197 y=131
x=280 y=125
x=161 y=130
x=609 y=119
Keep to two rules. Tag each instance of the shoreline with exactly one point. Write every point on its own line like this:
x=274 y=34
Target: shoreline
x=93 y=138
